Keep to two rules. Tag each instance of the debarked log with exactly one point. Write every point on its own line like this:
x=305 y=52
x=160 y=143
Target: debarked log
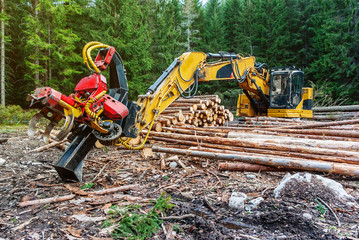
x=47 y=200
x=267 y=152
x=325 y=124
x=336 y=108
x=336 y=133
x=250 y=144
x=308 y=165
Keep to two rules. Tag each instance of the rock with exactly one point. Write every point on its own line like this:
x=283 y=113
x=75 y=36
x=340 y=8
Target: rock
x=253 y=204
x=237 y=200
x=172 y=158
x=2 y=161
x=307 y=216
x=173 y=165
x=319 y=182
x=251 y=176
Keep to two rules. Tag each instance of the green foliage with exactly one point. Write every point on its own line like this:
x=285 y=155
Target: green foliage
x=87 y=185
x=327 y=93
x=320 y=207
x=15 y=115
x=135 y=225
x=44 y=39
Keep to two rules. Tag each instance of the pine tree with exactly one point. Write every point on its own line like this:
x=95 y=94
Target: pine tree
x=214 y=33
x=167 y=37
x=193 y=24
x=124 y=25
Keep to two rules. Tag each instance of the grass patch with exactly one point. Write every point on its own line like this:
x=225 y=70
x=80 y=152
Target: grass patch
x=15 y=115
x=87 y=186
x=135 y=224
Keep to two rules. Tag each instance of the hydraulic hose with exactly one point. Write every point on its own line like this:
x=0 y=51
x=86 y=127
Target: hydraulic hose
x=88 y=104
x=88 y=53
x=138 y=147
x=84 y=57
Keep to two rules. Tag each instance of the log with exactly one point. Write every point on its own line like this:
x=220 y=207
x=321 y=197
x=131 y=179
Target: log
x=336 y=108
x=169 y=111
x=248 y=167
x=250 y=144
x=266 y=138
x=320 y=125
x=273 y=119
x=194 y=132
x=158 y=127
x=117 y=189
x=308 y=165
x=47 y=146
x=259 y=151
x=135 y=141
x=307 y=136
x=47 y=200
x=334 y=117
x=337 y=133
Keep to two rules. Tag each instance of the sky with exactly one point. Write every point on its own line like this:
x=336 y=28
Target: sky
x=204 y=1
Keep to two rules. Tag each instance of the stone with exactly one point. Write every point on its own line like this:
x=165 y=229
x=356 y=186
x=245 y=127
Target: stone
x=2 y=161
x=251 y=176
x=307 y=216
x=173 y=165
x=253 y=204
x=333 y=186
x=237 y=200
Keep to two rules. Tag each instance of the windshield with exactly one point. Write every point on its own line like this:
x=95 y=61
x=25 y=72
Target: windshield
x=280 y=90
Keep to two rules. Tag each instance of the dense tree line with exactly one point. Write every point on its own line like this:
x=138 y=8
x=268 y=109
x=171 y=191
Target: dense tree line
x=44 y=38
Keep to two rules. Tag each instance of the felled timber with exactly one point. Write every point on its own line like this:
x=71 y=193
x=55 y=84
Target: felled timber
x=336 y=108
x=251 y=144
x=241 y=150
x=321 y=125
x=309 y=165
x=248 y=167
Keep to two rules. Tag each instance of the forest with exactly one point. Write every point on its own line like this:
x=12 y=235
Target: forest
x=43 y=40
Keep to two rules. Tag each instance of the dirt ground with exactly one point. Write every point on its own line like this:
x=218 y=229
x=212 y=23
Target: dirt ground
x=203 y=192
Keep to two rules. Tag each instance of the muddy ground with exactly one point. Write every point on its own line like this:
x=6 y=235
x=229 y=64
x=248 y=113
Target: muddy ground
x=202 y=191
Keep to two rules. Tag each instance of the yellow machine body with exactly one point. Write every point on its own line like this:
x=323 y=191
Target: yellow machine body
x=287 y=97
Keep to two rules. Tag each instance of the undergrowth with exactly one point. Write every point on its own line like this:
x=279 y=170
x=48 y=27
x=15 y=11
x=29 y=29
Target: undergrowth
x=134 y=223
x=15 y=115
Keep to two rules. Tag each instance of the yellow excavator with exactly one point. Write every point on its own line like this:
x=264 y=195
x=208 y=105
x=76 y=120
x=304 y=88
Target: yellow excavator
x=99 y=109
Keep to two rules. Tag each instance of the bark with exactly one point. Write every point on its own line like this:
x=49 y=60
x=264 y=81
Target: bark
x=194 y=132
x=248 y=167
x=308 y=165
x=326 y=124
x=335 y=117
x=250 y=144
x=337 y=133
x=117 y=189
x=336 y=108
x=257 y=151
x=47 y=200
x=48 y=146
x=2 y=74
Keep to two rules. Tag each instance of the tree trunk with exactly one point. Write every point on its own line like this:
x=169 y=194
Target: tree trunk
x=2 y=74
x=308 y=165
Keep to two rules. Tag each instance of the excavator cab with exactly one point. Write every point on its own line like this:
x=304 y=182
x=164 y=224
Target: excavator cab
x=286 y=88
x=287 y=96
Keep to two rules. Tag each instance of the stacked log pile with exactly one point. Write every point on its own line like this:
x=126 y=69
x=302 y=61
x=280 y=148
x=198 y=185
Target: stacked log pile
x=199 y=111
x=269 y=144
x=336 y=112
